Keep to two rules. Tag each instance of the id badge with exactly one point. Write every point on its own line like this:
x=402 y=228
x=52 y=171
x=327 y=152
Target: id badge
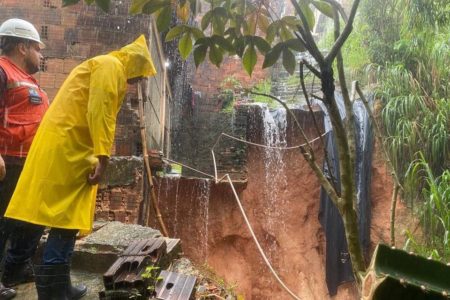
x=34 y=96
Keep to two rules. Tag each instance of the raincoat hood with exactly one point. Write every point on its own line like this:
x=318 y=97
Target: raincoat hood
x=136 y=59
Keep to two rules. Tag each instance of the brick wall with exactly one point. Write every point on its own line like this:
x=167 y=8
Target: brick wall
x=120 y=193
x=72 y=35
x=208 y=78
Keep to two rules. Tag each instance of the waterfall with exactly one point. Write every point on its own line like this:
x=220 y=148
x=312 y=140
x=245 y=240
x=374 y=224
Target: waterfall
x=274 y=135
x=205 y=188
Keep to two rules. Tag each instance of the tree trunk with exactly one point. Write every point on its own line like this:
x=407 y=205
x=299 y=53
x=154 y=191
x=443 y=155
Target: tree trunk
x=345 y=203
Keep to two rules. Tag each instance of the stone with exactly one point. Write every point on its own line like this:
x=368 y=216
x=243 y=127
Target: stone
x=98 y=251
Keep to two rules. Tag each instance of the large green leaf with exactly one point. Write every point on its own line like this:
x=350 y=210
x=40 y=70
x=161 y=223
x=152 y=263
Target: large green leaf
x=215 y=55
x=203 y=41
x=206 y=20
x=262 y=45
x=291 y=21
x=296 y=45
x=263 y=23
x=196 y=33
x=69 y=2
x=239 y=46
x=285 y=33
x=324 y=7
x=137 y=6
x=272 y=31
x=103 y=4
x=164 y=17
x=185 y=45
x=200 y=54
x=289 y=61
x=272 y=55
x=218 y=25
x=222 y=43
x=89 y=2
x=175 y=32
x=249 y=59
x=221 y=12
x=250 y=25
x=307 y=11
x=154 y=5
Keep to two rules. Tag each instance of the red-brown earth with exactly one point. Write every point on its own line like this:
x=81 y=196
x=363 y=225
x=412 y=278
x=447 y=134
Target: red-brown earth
x=206 y=217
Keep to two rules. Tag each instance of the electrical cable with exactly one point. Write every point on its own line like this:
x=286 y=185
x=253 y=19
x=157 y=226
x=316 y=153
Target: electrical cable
x=241 y=208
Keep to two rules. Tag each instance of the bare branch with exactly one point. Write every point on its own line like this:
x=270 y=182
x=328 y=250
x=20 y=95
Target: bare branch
x=306 y=34
x=300 y=38
x=349 y=121
x=336 y=5
x=311 y=68
x=344 y=35
x=319 y=133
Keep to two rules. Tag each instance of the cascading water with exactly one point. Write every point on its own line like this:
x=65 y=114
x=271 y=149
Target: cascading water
x=205 y=188
x=275 y=125
x=175 y=225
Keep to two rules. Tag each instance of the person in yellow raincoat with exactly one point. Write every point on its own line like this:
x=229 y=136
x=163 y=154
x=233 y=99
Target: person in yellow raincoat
x=68 y=157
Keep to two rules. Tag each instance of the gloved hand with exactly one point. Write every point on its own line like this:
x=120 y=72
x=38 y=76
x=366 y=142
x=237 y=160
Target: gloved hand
x=97 y=174
x=2 y=169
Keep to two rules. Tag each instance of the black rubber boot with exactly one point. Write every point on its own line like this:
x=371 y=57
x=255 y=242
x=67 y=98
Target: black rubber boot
x=15 y=274
x=6 y=293
x=53 y=283
x=76 y=292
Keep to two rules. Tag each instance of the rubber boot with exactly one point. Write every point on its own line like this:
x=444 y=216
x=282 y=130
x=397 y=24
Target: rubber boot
x=15 y=274
x=6 y=293
x=53 y=283
x=76 y=292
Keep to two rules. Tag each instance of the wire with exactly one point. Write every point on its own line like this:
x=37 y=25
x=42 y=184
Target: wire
x=241 y=208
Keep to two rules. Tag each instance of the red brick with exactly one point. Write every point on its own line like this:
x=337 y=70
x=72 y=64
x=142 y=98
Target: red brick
x=69 y=64
x=55 y=65
x=120 y=216
x=56 y=32
x=59 y=79
x=46 y=80
x=69 y=18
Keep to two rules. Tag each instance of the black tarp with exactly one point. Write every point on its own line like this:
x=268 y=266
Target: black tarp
x=338 y=264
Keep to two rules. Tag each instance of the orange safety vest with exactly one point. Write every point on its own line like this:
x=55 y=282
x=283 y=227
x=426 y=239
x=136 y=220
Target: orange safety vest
x=22 y=107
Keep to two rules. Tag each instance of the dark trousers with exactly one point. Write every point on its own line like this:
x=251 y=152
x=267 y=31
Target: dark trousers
x=23 y=237
x=59 y=247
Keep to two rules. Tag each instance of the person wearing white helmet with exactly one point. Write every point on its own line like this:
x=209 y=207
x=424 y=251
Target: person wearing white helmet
x=22 y=106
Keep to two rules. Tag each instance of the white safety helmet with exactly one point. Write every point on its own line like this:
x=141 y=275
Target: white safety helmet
x=21 y=29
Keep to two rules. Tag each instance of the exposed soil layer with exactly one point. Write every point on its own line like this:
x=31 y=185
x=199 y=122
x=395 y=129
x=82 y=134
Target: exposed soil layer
x=207 y=219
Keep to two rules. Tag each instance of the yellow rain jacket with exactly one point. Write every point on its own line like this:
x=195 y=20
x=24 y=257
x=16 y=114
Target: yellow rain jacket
x=78 y=127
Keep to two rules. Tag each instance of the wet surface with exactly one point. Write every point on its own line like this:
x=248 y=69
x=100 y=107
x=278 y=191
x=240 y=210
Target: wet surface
x=93 y=282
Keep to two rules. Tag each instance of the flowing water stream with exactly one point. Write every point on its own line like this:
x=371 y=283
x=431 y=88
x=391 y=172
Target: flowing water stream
x=274 y=135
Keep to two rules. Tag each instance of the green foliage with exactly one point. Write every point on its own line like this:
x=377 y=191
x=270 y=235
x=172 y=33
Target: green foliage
x=409 y=42
x=264 y=87
x=151 y=274
x=247 y=28
x=435 y=212
x=229 y=89
x=355 y=51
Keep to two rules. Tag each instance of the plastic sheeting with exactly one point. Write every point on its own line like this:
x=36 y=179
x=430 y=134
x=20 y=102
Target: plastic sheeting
x=338 y=264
